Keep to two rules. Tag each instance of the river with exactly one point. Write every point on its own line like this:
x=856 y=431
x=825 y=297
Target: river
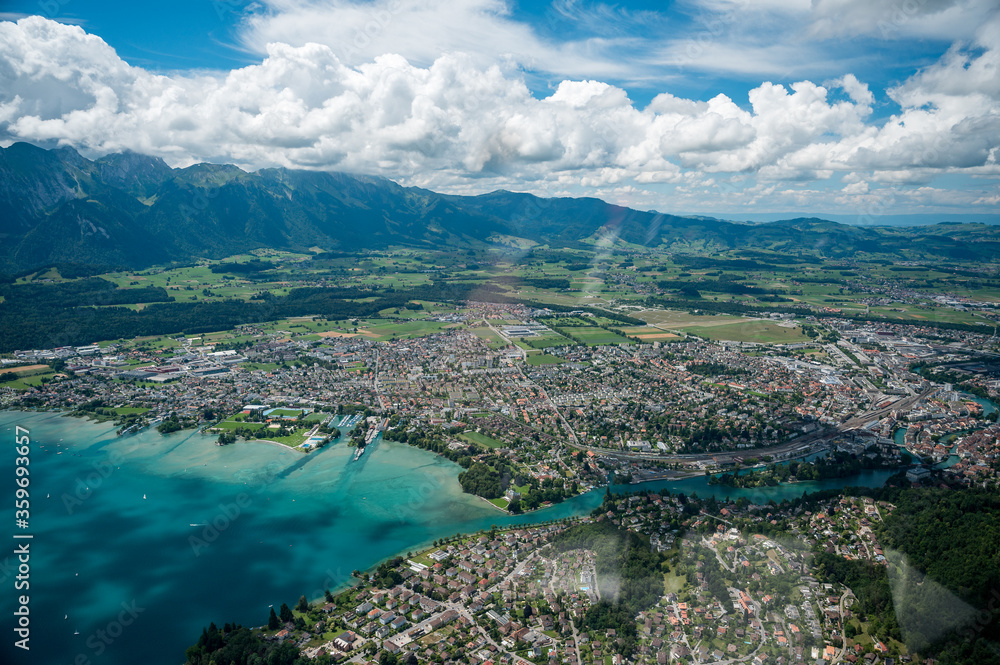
x=140 y=541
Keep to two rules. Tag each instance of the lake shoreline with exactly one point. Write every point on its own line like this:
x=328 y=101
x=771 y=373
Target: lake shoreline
x=303 y=523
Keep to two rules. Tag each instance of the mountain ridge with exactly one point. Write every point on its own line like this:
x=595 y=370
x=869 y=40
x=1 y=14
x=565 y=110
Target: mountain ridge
x=134 y=210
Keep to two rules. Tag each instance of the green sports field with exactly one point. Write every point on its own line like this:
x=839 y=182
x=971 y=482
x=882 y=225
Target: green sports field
x=481 y=440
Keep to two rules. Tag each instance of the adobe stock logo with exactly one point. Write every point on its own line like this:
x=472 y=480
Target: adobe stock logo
x=101 y=639
x=85 y=486
x=227 y=515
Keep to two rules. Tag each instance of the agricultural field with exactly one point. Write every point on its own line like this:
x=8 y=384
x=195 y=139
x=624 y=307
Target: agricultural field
x=680 y=320
x=24 y=369
x=594 y=336
x=27 y=377
x=546 y=341
x=649 y=333
x=51 y=274
x=929 y=313
x=565 y=299
x=395 y=328
x=595 y=281
x=764 y=332
x=404 y=329
x=656 y=336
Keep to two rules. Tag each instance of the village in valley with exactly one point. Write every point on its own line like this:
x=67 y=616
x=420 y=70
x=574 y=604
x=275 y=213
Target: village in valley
x=575 y=414
x=539 y=403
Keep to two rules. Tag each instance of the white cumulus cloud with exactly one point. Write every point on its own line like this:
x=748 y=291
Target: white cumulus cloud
x=459 y=124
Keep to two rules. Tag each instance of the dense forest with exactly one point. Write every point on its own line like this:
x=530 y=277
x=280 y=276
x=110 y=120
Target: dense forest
x=237 y=645
x=536 y=282
x=722 y=285
x=89 y=292
x=940 y=592
x=73 y=313
x=428 y=440
x=954 y=539
x=481 y=480
x=695 y=262
x=952 y=536
x=491 y=480
x=48 y=315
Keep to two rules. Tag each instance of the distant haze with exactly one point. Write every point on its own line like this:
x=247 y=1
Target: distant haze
x=854 y=220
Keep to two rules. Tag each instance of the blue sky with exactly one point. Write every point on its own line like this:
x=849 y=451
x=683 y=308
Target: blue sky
x=183 y=34
x=205 y=34
x=699 y=105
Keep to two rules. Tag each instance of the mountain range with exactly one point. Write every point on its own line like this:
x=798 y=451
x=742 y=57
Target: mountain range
x=128 y=209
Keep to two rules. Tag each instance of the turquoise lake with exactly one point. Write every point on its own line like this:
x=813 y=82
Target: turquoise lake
x=131 y=523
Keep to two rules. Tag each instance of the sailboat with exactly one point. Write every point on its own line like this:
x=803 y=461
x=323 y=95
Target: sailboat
x=143 y=496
